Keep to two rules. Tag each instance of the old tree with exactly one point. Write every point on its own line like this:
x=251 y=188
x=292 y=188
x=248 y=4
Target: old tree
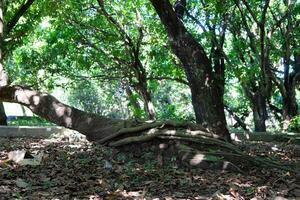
x=204 y=72
x=207 y=99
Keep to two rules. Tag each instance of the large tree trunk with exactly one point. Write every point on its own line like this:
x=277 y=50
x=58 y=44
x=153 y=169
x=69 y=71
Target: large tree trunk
x=46 y=106
x=96 y=128
x=207 y=99
x=290 y=107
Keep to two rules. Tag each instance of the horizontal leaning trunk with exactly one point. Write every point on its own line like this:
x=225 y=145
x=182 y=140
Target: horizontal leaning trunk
x=46 y=106
x=96 y=128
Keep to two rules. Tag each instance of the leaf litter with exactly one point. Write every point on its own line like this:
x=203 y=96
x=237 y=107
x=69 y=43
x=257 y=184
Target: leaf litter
x=76 y=169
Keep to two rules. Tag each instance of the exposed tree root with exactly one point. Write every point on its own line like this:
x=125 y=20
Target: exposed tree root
x=189 y=127
x=191 y=141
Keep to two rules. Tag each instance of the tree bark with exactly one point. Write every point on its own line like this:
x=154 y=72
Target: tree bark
x=258 y=105
x=142 y=88
x=3 y=118
x=239 y=121
x=259 y=109
x=48 y=107
x=134 y=104
x=207 y=99
x=290 y=107
x=147 y=100
x=3 y=75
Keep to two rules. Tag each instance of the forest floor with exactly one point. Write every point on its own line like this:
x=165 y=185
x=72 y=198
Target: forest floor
x=83 y=170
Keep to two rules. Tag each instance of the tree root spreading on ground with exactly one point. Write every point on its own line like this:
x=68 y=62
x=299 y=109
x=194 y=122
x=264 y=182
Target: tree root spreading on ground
x=198 y=140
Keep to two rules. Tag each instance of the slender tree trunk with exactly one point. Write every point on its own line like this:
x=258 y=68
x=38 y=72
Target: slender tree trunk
x=206 y=95
x=148 y=105
x=259 y=109
x=3 y=75
x=290 y=108
x=142 y=89
x=133 y=101
x=239 y=121
x=3 y=118
x=258 y=105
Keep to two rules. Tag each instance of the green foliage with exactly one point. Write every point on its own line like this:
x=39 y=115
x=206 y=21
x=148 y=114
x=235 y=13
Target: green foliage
x=102 y=99
x=28 y=121
x=294 y=125
x=72 y=45
x=173 y=101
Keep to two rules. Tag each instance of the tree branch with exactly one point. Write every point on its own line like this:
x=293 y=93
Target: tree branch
x=250 y=11
x=240 y=122
x=21 y=11
x=179 y=80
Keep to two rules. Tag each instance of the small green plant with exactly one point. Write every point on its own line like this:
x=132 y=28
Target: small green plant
x=17 y=195
x=28 y=121
x=294 y=125
x=48 y=184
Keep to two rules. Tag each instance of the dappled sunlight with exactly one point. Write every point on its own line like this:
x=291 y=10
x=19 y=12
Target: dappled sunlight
x=103 y=172
x=59 y=110
x=148 y=88
x=171 y=132
x=197 y=159
x=36 y=100
x=26 y=96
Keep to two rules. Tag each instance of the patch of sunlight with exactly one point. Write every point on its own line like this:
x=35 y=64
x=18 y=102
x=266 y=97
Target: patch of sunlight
x=59 y=110
x=171 y=132
x=94 y=197
x=36 y=100
x=38 y=44
x=45 y=23
x=198 y=158
x=68 y=120
x=13 y=109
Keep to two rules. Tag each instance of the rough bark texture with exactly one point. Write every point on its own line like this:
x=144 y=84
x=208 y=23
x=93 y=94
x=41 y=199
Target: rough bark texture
x=44 y=105
x=96 y=128
x=207 y=98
